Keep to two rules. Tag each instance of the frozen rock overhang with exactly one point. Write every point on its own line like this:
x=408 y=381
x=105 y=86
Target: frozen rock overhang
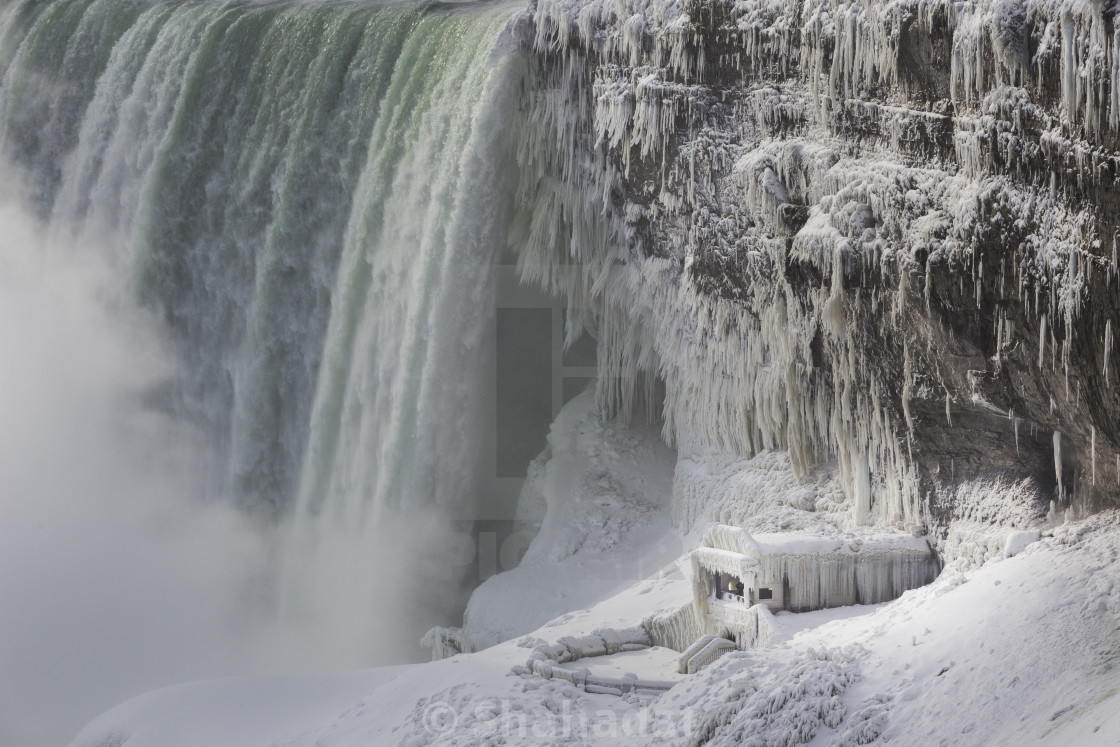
x=882 y=233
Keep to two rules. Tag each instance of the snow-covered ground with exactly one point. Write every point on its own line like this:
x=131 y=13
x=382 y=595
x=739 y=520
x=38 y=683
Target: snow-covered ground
x=1012 y=651
x=998 y=650
x=1018 y=651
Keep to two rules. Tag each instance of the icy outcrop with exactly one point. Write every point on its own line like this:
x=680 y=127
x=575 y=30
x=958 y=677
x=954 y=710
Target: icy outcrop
x=987 y=513
x=445 y=642
x=677 y=629
x=601 y=482
x=762 y=493
x=606 y=489
x=879 y=235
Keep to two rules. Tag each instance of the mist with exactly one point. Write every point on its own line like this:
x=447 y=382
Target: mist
x=116 y=575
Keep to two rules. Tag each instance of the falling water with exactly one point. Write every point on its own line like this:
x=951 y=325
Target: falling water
x=309 y=197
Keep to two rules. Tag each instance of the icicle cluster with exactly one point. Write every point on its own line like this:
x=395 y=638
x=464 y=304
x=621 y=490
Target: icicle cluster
x=783 y=210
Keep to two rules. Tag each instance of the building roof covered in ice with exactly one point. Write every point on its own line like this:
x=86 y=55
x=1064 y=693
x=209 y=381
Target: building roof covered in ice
x=738 y=541
x=813 y=570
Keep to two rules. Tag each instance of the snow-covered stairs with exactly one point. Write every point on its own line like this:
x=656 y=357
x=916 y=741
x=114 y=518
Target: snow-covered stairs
x=705 y=650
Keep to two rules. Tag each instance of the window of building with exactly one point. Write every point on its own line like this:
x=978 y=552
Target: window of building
x=729 y=587
x=764 y=593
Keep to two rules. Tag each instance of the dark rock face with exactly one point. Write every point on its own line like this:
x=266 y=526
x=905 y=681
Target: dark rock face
x=880 y=233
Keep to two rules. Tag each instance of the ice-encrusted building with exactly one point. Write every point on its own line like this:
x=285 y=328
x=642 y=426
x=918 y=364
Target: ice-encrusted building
x=733 y=570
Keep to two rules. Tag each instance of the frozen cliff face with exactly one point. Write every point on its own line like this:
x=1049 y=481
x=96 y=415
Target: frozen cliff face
x=879 y=233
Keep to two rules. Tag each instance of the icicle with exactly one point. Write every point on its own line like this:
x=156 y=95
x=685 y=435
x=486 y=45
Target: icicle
x=1042 y=342
x=1069 y=69
x=1065 y=363
x=1016 y=426
x=948 y=413
x=1053 y=348
x=1058 y=460
x=1107 y=351
x=1093 y=451
x=862 y=496
x=907 y=390
x=834 y=309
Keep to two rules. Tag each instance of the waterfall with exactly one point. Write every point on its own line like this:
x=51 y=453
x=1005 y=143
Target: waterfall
x=310 y=198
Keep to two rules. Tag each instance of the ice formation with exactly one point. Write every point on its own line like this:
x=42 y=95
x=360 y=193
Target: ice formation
x=805 y=571
x=605 y=489
x=797 y=215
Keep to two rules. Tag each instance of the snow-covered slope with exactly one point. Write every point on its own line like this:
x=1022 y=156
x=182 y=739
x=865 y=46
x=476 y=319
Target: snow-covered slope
x=1019 y=651
x=606 y=489
x=998 y=650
